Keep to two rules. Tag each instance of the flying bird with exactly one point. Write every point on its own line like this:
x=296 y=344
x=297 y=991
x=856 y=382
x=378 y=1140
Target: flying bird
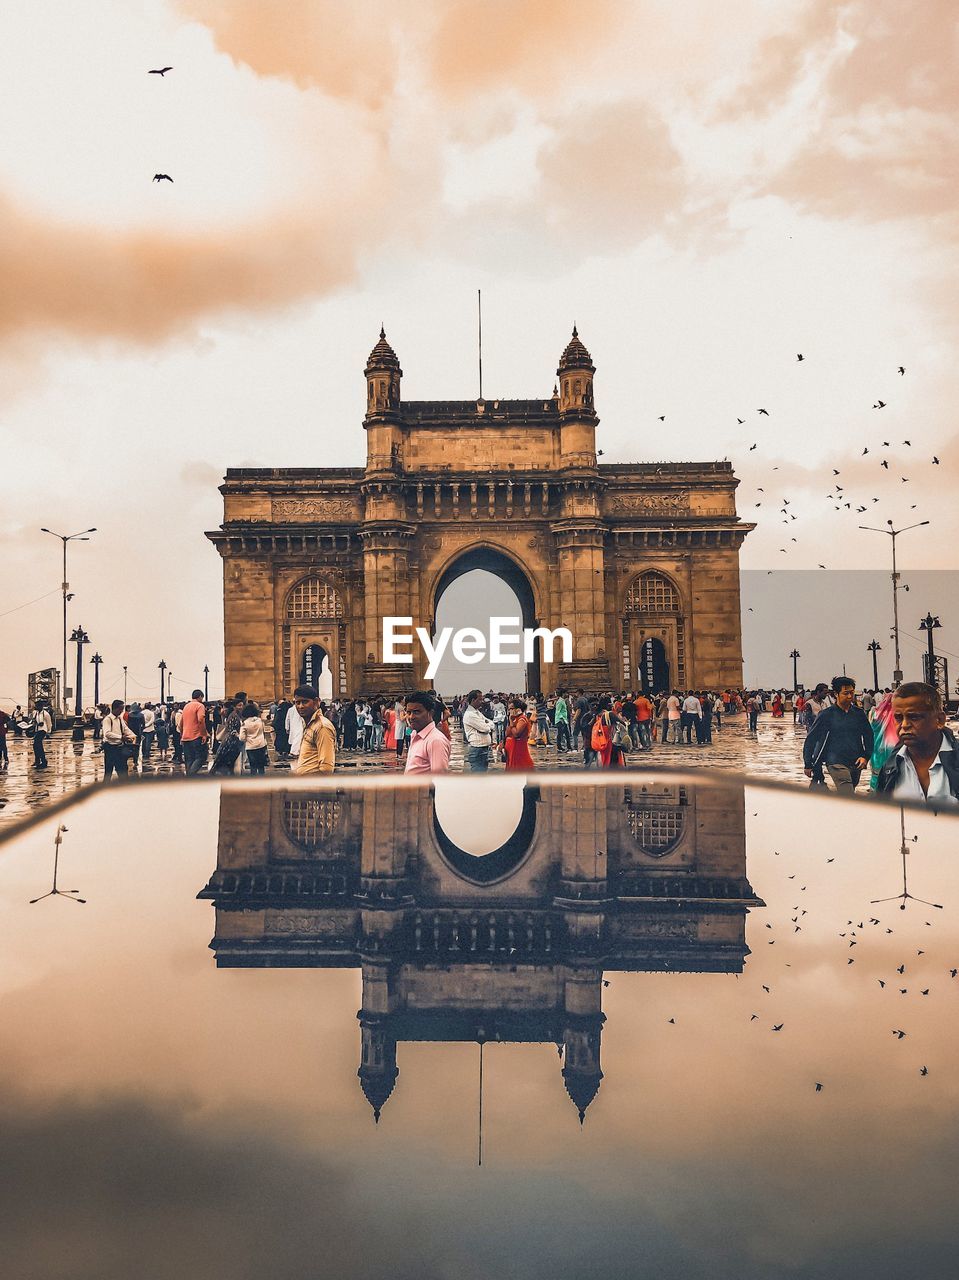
x=935 y=461
x=880 y=404
x=885 y=464
x=899 y=1034
x=162 y=177
x=751 y=447
x=663 y=418
x=159 y=71
x=923 y=1071
x=779 y=1026
x=818 y=1087
x=765 y=411
x=901 y=371
x=908 y=442
x=740 y=421
x=800 y=356
x=835 y=472
x=822 y=566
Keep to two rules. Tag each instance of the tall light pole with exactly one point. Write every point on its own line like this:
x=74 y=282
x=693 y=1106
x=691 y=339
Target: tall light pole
x=894 y=534
x=874 y=647
x=795 y=655
x=96 y=660
x=65 y=586
x=79 y=638
x=124 y=686
x=161 y=666
x=206 y=683
x=929 y=625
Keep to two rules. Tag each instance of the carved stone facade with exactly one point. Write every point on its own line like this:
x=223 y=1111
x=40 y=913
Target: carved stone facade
x=510 y=945
x=512 y=486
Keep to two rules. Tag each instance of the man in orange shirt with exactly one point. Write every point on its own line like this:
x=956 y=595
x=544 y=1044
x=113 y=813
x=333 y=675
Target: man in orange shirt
x=644 y=720
x=193 y=733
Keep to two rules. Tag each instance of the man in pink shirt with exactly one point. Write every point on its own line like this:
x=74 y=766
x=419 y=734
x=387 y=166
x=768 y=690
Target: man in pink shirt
x=429 y=747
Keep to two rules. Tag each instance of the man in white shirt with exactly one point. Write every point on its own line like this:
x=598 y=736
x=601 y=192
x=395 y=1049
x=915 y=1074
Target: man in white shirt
x=692 y=717
x=479 y=731
x=926 y=766
x=294 y=731
x=116 y=732
x=42 y=728
x=149 y=732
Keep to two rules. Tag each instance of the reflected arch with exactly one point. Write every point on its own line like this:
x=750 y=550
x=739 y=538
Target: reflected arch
x=500 y=863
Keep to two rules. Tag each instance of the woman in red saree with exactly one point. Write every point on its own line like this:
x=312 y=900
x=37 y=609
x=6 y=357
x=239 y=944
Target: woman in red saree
x=778 y=707
x=516 y=744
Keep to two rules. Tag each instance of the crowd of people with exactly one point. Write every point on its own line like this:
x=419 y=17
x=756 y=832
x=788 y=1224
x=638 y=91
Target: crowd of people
x=900 y=735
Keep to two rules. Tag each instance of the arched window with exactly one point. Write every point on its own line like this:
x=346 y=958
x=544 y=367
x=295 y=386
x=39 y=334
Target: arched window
x=310 y=823
x=652 y=592
x=313 y=598
x=656 y=822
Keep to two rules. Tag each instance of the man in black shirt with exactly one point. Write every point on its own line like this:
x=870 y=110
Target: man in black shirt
x=840 y=739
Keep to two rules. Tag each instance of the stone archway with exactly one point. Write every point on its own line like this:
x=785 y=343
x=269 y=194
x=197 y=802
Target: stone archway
x=654 y=626
x=313 y=635
x=493 y=560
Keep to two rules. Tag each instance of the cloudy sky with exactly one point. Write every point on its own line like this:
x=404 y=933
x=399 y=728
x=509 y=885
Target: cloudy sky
x=706 y=190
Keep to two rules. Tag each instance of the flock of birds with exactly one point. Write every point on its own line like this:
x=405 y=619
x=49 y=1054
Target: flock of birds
x=840 y=497
x=852 y=935
x=160 y=71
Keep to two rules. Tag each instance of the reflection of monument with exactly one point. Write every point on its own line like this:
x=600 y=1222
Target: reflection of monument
x=509 y=946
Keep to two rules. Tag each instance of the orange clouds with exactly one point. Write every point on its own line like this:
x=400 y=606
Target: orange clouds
x=612 y=173
x=523 y=45
x=346 y=51
x=144 y=285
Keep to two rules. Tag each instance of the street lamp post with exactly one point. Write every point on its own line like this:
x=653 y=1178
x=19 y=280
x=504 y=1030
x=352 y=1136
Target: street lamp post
x=124 y=686
x=874 y=647
x=929 y=625
x=96 y=660
x=894 y=534
x=161 y=665
x=795 y=655
x=206 y=683
x=65 y=587
x=79 y=638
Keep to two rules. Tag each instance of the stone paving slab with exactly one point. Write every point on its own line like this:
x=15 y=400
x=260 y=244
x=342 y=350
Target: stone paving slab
x=774 y=752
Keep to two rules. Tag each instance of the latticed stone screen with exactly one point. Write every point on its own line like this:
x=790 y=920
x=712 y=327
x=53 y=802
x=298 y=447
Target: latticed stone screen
x=652 y=593
x=313 y=598
x=310 y=823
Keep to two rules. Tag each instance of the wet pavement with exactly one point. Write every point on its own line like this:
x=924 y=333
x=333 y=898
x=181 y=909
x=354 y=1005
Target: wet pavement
x=774 y=752
x=605 y=1026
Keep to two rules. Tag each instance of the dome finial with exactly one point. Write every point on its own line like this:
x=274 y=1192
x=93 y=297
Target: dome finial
x=575 y=332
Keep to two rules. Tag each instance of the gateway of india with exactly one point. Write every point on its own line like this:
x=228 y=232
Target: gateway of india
x=639 y=560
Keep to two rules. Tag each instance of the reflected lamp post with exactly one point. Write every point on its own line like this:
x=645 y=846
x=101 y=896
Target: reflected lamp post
x=894 y=534
x=82 y=536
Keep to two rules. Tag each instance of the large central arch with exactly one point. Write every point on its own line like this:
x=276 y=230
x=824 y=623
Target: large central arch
x=492 y=560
